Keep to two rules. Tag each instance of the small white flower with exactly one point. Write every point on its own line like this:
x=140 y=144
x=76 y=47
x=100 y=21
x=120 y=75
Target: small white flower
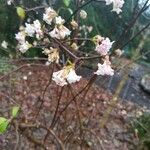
x=83 y=14
x=90 y=28
x=108 y=2
x=55 y=33
x=46 y=51
x=60 y=77
x=49 y=15
x=38 y=29
x=47 y=63
x=4 y=44
x=20 y=36
x=59 y=20
x=37 y=25
x=72 y=77
x=23 y=47
x=35 y=43
x=119 y=52
x=104 y=69
x=60 y=32
x=9 y=2
x=53 y=54
x=65 y=76
x=25 y=77
x=117 y=5
x=29 y=29
x=29 y=73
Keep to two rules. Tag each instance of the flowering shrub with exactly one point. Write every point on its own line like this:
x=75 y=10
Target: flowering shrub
x=60 y=41
x=53 y=29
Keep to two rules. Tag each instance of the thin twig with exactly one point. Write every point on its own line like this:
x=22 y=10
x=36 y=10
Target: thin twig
x=23 y=125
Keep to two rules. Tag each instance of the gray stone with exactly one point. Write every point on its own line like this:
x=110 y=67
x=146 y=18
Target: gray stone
x=145 y=83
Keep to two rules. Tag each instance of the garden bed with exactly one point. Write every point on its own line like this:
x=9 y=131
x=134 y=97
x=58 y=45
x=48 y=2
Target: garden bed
x=25 y=87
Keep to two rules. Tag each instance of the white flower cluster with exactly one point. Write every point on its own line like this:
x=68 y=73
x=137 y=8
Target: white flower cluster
x=34 y=29
x=23 y=45
x=30 y=30
x=59 y=31
x=65 y=76
x=103 y=45
x=117 y=5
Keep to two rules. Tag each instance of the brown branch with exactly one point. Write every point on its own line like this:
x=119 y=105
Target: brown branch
x=44 y=92
x=79 y=93
x=25 y=126
x=137 y=34
x=34 y=8
x=66 y=49
x=133 y=21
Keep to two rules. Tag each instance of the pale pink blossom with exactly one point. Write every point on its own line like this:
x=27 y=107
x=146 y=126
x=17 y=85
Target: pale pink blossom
x=104 y=46
x=65 y=76
x=23 y=47
x=20 y=36
x=104 y=69
x=72 y=77
x=53 y=54
x=49 y=15
x=60 y=32
x=117 y=5
x=38 y=29
x=29 y=29
x=59 y=20
x=108 y=2
x=60 y=77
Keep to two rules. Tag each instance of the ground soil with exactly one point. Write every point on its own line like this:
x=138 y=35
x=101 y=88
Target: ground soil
x=25 y=87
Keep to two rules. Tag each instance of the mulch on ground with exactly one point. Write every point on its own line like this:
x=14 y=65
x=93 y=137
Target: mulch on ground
x=25 y=87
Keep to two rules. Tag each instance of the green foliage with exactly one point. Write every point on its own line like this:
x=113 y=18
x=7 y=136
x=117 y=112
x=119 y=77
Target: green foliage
x=5 y=66
x=5 y=122
x=3 y=125
x=21 y=12
x=142 y=125
x=67 y=2
x=15 y=111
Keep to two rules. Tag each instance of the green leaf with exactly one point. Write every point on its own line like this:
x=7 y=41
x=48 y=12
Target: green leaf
x=67 y=2
x=21 y=12
x=70 y=10
x=3 y=124
x=15 y=110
